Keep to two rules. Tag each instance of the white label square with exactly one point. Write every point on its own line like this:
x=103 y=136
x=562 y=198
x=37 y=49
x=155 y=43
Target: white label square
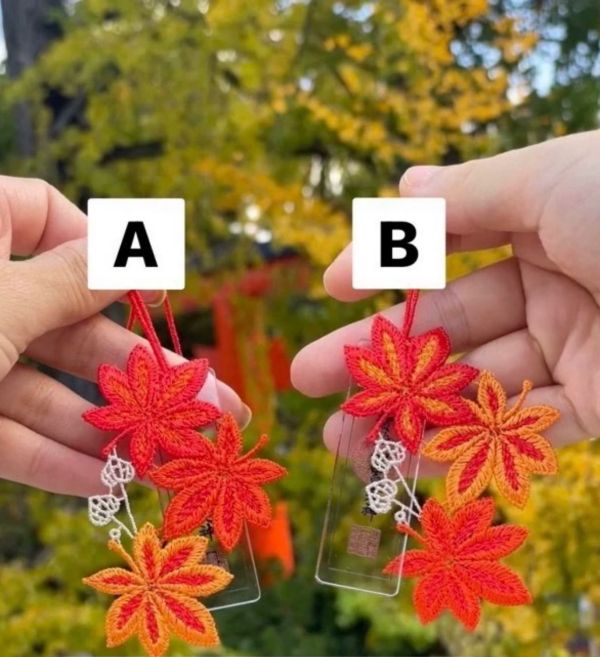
x=118 y=254
x=408 y=253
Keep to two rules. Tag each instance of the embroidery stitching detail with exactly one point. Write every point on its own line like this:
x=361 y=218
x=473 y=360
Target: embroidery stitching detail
x=154 y=406
x=388 y=491
x=156 y=596
x=103 y=509
x=406 y=380
x=218 y=483
x=457 y=566
x=497 y=443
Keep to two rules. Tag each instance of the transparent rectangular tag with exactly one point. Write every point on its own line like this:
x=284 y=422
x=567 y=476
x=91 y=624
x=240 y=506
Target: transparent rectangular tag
x=245 y=586
x=372 y=490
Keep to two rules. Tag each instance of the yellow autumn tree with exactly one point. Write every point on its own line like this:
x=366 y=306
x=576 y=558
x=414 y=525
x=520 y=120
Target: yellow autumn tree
x=267 y=117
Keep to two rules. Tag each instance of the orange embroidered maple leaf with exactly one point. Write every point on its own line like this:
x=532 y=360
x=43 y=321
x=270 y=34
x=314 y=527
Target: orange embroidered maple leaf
x=458 y=566
x=499 y=443
x=157 y=595
x=153 y=406
x=406 y=380
x=220 y=484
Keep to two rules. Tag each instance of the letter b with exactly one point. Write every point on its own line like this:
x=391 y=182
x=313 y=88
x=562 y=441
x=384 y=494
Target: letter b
x=388 y=244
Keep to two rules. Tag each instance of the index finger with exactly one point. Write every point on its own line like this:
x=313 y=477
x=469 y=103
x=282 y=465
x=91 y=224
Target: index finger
x=35 y=217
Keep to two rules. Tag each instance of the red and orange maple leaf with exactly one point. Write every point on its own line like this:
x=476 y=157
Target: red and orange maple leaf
x=406 y=380
x=458 y=566
x=156 y=408
x=497 y=443
x=157 y=596
x=220 y=484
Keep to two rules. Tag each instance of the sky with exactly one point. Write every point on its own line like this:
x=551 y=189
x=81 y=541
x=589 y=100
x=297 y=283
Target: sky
x=2 y=45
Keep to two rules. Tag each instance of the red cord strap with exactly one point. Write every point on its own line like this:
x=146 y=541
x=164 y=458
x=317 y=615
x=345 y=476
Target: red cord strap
x=409 y=312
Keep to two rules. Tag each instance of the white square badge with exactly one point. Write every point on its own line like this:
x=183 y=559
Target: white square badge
x=398 y=243
x=136 y=244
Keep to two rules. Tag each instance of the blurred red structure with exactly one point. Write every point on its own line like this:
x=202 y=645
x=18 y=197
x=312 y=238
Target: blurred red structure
x=224 y=356
x=274 y=544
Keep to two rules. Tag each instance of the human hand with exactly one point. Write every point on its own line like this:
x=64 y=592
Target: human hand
x=48 y=313
x=534 y=316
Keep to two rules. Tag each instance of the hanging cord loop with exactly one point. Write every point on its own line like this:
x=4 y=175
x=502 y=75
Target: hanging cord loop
x=409 y=312
x=140 y=312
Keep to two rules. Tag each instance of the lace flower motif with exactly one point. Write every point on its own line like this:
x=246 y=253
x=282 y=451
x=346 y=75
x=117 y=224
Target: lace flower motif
x=458 y=565
x=497 y=443
x=220 y=484
x=157 y=595
x=406 y=380
x=153 y=407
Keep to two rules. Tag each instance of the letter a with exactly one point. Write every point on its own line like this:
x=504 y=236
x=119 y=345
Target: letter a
x=127 y=250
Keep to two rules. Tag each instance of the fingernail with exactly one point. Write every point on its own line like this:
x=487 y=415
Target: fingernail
x=418 y=176
x=208 y=392
x=246 y=416
x=154 y=298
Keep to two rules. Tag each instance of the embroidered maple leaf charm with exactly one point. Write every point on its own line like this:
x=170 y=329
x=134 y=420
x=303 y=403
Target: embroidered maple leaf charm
x=219 y=483
x=155 y=407
x=497 y=443
x=157 y=595
x=406 y=380
x=458 y=566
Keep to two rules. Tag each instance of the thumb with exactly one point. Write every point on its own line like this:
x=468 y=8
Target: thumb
x=47 y=292
x=504 y=193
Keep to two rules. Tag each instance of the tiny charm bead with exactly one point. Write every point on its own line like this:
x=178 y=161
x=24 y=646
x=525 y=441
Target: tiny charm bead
x=115 y=534
x=401 y=517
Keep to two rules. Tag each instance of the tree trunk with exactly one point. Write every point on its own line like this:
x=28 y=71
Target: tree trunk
x=29 y=26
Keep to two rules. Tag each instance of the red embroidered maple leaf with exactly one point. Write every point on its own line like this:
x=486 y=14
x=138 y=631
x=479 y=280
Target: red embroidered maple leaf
x=497 y=443
x=458 y=566
x=156 y=596
x=220 y=484
x=406 y=380
x=154 y=407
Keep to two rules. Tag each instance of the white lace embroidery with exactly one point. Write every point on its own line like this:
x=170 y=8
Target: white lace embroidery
x=103 y=509
x=390 y=489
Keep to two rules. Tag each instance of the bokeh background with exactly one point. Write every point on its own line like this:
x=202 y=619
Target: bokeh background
x=269 y=117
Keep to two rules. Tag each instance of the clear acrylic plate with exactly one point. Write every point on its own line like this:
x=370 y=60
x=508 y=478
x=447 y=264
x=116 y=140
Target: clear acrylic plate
x=357 y=544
